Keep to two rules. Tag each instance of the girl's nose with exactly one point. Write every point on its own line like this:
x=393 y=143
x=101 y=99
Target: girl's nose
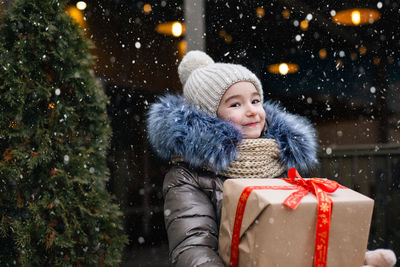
x=251 y=110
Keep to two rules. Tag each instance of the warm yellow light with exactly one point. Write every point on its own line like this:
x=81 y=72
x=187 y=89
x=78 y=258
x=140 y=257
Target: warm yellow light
x=12 y=124
x=356 y=17
x=362 y=50
x=339 y=64
x=171 y=28
x=260 y=12
x=81 y=5
x=353 y=56
x=286 y=13
x=147 y=8
x=177 y=29
x=222 y=33
x=182 y=48
x=283 y=68
x=227 y=37
x=322 y=53
x=304 y=25
x=76 y=14
x=51 y=105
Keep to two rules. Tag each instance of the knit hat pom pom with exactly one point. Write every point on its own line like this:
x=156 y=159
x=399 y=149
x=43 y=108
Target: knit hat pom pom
x=193 y=60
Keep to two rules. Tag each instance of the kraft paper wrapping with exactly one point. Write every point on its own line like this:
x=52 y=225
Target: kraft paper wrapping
x=274 y=235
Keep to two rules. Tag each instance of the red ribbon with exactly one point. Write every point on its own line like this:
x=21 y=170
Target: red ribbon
x=319 y=187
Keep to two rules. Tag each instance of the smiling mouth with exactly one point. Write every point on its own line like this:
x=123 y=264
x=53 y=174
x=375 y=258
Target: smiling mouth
x=251 y=124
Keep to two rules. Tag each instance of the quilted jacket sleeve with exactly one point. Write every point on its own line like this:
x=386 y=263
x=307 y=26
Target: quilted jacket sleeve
x=190 y=220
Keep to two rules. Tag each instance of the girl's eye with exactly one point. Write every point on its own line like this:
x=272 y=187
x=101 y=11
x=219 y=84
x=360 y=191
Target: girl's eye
x=235 y=105
x=255 y=101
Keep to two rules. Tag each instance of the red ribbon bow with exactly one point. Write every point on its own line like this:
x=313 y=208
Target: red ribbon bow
x=314 y=185
x=319 y=187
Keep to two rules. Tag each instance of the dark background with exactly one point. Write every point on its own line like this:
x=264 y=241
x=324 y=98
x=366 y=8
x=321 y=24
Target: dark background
x=334 y=93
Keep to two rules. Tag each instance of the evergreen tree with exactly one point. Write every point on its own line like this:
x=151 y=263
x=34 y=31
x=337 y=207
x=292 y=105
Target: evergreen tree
x=54 y=135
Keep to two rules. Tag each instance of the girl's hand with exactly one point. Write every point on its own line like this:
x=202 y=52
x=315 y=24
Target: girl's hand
x=380 y=258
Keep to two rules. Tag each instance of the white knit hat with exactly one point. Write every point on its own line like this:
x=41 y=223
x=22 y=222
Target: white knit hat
x=205 y=82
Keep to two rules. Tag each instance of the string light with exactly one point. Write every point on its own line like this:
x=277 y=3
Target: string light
x=182 y=48
x=283 y=68
x=81 y=5
x=227 y=37
x=147 y=9
x=12 y=124
x=76 y=14
x=177 y=29
x=322 y=53
x=260 y=12
x=355 y=17
x=286 y=14
x=339 y=64
x=377 y=60
x=304 y=25
x=362 y=50
x=171 y=28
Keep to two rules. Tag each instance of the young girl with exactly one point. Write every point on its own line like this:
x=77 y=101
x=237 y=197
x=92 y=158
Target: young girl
x=219 y=129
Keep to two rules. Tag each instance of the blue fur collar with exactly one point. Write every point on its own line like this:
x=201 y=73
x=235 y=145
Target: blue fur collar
x=177 y=128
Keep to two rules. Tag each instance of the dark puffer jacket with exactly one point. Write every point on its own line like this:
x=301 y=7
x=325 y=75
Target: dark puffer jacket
x=192 y=211
x=193 y=196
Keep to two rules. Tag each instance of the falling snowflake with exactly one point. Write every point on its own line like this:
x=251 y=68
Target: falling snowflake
x=141 y=240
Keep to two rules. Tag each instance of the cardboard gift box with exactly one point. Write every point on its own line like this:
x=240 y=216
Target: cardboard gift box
x=271 y=234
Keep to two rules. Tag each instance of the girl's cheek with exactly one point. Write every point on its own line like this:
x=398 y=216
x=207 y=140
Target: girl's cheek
x=238 y=127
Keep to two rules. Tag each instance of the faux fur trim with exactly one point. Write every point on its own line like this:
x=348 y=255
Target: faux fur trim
x=296 y=136
x=176 y=128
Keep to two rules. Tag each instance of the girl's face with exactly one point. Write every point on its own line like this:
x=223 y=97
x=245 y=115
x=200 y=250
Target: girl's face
x=241 y=104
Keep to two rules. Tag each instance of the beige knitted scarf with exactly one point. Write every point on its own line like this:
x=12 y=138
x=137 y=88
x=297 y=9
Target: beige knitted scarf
x=256 y=158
